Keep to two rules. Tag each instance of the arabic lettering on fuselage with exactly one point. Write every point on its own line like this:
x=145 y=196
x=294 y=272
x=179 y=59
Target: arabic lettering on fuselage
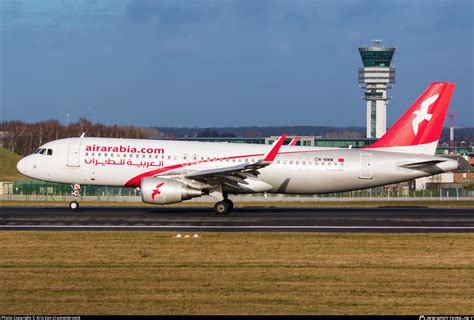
x=122 y=162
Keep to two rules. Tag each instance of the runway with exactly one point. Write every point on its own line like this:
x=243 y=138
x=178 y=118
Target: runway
x=241 y=219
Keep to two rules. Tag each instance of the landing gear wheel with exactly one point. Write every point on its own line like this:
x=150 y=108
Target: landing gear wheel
x=76 y=193
x=74 y=205
x=222 y=207
x=230 y=203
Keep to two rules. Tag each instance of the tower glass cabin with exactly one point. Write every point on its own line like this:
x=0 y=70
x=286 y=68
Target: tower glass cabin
x=376 y=77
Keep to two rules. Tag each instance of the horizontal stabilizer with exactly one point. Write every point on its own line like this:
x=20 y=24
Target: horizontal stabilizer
x=421 y=164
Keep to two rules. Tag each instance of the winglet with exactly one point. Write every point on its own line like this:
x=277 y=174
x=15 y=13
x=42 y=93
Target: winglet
x=270 y=156
x=294 y=141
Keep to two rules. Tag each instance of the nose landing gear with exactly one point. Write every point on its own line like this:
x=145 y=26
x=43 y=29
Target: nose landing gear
x=76 y=192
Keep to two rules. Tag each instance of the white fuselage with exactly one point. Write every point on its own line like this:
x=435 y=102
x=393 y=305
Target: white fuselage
x=305 y=170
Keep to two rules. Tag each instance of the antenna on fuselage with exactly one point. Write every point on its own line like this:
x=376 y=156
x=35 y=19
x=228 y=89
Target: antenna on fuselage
x=83 y=135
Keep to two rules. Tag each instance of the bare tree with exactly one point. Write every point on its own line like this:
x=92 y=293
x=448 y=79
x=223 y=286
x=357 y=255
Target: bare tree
x=23 y=138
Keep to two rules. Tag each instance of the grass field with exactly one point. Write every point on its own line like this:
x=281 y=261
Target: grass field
x=235 y=273
x=8 y=162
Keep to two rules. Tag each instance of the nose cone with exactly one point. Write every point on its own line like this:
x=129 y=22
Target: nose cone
x=22 y=166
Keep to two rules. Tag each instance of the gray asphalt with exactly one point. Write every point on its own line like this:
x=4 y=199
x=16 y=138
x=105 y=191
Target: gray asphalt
x=388 y=219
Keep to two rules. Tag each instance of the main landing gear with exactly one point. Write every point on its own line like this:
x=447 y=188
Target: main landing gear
x=76 y=192
x=223 y=207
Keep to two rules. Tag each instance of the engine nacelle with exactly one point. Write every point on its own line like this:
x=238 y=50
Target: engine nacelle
x=164 y=191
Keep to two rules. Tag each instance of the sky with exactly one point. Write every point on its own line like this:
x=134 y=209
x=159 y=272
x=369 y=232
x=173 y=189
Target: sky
x=215 y=63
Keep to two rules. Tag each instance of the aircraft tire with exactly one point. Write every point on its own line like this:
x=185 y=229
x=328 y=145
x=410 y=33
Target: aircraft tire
x=222 y=207
x=230 y=203
x=74 y=205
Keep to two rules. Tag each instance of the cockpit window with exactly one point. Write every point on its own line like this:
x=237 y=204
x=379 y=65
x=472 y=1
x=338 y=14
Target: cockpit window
x=44 y=151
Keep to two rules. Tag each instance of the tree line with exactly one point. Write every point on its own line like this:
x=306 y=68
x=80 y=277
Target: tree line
x=24 y=138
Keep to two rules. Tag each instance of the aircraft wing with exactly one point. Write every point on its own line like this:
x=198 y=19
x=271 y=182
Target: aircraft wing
x=238 y=173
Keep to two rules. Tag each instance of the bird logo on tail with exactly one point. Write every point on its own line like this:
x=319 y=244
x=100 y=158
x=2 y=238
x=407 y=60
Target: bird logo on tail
x=423 y=114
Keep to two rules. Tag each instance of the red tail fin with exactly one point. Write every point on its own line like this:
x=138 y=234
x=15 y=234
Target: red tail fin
x=419 y=129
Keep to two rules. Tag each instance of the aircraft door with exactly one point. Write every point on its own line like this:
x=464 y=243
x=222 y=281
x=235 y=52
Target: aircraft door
x=73 y=154
x=365 y=166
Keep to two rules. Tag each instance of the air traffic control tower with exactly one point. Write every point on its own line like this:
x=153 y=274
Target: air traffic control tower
x=376 y=77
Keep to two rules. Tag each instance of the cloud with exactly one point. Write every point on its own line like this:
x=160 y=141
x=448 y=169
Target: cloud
x=246 y=56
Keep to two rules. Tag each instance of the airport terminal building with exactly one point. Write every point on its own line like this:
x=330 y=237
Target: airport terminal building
x=318 y=141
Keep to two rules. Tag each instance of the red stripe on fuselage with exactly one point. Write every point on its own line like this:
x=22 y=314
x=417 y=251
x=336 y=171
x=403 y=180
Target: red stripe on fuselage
x=135 y=181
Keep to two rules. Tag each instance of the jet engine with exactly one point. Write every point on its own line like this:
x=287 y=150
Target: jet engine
x=164 y=191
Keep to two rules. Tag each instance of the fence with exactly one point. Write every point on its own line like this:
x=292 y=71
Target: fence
x=57 y=189
x=38 y=190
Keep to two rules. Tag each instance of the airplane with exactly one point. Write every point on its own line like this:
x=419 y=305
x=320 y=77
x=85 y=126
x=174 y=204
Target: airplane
x=294 y=141
x=167 y=171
